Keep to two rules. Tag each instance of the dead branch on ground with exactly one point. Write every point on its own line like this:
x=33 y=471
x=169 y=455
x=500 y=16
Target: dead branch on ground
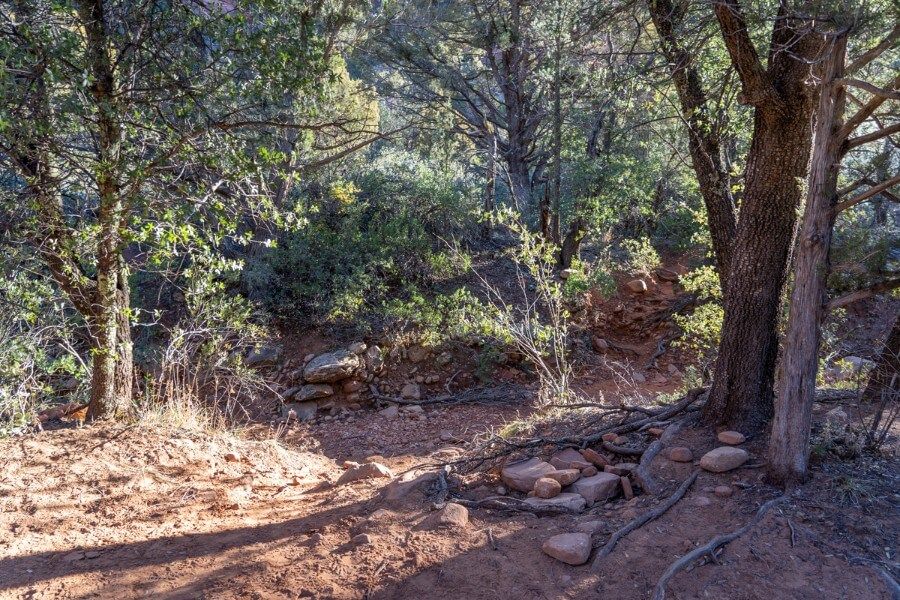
x=645 y=518
x=659 y=592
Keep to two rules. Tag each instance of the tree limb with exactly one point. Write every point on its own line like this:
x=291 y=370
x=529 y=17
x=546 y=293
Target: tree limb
x=872 y=191
x=862 y=294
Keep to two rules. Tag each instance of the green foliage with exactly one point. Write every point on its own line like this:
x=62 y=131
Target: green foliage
x=642 y=257
x=702 y=328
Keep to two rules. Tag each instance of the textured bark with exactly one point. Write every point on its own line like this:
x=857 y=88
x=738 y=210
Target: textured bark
x=703 y=137
x=571 y=244
x=108 y=321
x=789 y=442
x=741 y=396
x=885 y=377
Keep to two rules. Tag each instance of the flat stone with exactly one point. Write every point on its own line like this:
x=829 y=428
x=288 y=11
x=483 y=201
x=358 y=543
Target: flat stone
x=724 y=458
x=572 y=502
x=522 y=476
x=732 y=438
x=370 y=470
x=570 y=548
x=620 y=468
x=361 y=540
x=452 y=515
x=680 y=454
x=569 y=459
x=547 y=488
x=314 y=391
x=598 y=488
x=594 y=457
x=331 y=367
x=565 y=476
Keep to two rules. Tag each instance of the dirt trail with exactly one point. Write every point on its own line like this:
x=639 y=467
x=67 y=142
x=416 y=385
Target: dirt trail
x=123 y=513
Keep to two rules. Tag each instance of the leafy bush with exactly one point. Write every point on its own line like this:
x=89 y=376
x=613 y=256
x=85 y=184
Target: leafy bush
x=702 y=328
x=641 y=256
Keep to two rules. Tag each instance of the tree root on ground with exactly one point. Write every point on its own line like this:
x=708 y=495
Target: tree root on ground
x=645 y=518
x=642 y=473
x=501 y=394
x=510 y=504
x=659 y=592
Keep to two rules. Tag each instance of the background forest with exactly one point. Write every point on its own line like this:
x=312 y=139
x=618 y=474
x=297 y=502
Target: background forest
x=184 y=181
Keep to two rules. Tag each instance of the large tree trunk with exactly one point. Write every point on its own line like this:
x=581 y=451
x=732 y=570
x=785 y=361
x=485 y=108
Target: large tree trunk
x=789 y=442
x=885 y=377
x=741 y=396
x=703 y=137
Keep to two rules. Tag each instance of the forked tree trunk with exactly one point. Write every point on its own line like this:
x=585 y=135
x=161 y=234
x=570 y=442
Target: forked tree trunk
x=885 y=376
x=789 y=442
x=741 y=396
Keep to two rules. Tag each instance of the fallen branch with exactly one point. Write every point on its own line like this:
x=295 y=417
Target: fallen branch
x=659 y=592
x=508 y=503
x=645 y=518
x=642 y=473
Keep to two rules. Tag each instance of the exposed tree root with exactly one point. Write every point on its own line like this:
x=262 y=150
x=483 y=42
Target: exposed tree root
x=622 y=450
x=642 y=473
x=510 y=504
x=645 y=518
x=659 y=592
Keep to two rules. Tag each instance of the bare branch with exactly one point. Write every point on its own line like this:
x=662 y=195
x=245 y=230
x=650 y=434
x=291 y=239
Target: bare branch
x=875 y=52
x=872 y=191
x=868 y=292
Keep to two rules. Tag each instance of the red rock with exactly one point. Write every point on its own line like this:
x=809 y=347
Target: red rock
x=638 y=286
x=570 y=548
x=600 y=487
x=627 y=492
x=547 y=488
x=594 y=457
x=655 y=431
x=724 y=458
x=680 y=454
x=569 y=459
x=723 y=491
x=732 y=438
x=565 y=476
x=522 y=476
x=608 y=437
x=589 y=471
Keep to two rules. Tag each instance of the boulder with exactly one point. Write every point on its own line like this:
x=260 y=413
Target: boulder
x=302 y=411
x=263 y=355
x=331 y=367
x=638 y=286
x=364 y=471
x=724 y=458
x=565 y=476
x=570 y=548
x=523 y=475
x=568 y=501
x=452 y=515
x=374 y=361
x=732 y=438
x=314 y=391
x=547 y=488
x=667 y=275
x=598 y=488
x=357 y=347
x=569 y=459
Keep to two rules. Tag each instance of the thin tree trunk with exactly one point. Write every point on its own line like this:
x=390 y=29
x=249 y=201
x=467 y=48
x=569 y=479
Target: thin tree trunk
x=571 y=244
x=703 y=138
x=556 y=181
x=741 y=396
x=884 y=377
x=789 y=442
x=490 y=187
x=111 y=339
